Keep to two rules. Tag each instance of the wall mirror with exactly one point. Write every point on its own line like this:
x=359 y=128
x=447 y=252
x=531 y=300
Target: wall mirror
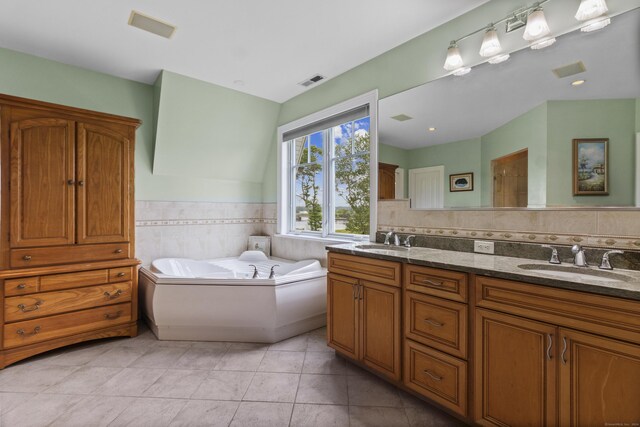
x=503 y=135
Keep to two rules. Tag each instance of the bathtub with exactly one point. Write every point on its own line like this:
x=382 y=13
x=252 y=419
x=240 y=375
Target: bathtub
x=218 y=300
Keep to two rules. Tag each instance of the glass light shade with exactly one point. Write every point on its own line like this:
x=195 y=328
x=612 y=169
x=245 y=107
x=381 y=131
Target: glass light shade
x=462 y=71
x=590 y=9
x=498 y=59
x=543 y=43
x=596 y=24
x=537 y=26
x=454 y=59
x=490 y=44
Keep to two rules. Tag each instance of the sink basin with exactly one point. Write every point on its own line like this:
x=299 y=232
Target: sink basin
x=382 y=249
x=571 y=272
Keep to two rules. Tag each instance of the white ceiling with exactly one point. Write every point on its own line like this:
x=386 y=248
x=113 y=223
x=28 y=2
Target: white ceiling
x=268 y=45
x=471 y=106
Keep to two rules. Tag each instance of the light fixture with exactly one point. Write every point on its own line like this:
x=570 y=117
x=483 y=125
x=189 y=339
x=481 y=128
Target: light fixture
x=537 y=26
x=499 y=59
x=590 y=9
x=432 y=129
x=577 y=82
x=462 y=71
x=454 y=59
x=541 y=44
x=490 y=43
x=596 y=24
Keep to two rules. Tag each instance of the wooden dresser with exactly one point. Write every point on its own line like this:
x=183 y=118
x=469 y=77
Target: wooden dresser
x=67 y=262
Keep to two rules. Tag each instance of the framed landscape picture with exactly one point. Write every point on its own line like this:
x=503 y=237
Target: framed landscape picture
x=590 y=167
x=461 y=182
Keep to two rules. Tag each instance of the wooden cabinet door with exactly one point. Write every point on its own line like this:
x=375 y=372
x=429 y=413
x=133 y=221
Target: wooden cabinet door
x=380 y=320
x=42 y=187
x=342 y=314
x=515 y=371
x=103 y=185
x=599 y=381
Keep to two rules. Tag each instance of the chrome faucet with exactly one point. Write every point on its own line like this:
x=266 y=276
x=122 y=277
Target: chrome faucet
x=396 y=239
x=272 y=273
x=407 y=241
x=580 y=259
x=255 y=271
x=605 y=264
x=554 y=254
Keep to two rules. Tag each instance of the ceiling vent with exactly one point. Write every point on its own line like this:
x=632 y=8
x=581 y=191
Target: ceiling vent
x=313 y=80
x=402 y=117
x=151 y=25
x=569 y=70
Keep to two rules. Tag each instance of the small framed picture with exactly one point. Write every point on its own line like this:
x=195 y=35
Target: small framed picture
x=461 y=182
x=590 y=167
x=260 y=243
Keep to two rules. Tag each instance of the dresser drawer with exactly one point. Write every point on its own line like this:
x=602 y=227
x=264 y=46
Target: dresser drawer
x=434 y=281
x=48 y=303
x=436 y=322
x=375 y=270
x=33 y=331
x=123 y=274
x=437 y=376
x=78 y=279
x=73 y=254
x=26 y=285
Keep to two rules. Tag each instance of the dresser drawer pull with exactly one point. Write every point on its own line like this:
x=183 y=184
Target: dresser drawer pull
x=21 y=286
x=432 y=375
x=431 y=282
x=34 y=307
x=434 y=323
x=121 y=274
x=24 y=334
x=110 y=316
x=27 y=257
x=114 y=295
x=117 y=251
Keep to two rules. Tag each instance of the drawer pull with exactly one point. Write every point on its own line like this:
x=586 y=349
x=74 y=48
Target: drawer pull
x=434 y=323
x=432 y=375
x=34 y=307
x=21 y=286
x=550 y=339
x=121 y=274
x=431 y=282
x=117 y=251
x=110 y=316
x=564 y=350
x=24 y=334
x=114 y=295
x=27 y=257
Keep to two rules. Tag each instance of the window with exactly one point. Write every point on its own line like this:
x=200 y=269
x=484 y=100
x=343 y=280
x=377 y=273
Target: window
x=326 y=172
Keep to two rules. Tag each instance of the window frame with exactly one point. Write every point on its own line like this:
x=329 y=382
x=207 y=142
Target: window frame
x=286 y=190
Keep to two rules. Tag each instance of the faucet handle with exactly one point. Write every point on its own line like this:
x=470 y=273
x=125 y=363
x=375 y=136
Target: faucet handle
x=272 y=273
x=554 y=254
x=407 y=240
x=387 y=236
x=255 y=271
x=605 y=264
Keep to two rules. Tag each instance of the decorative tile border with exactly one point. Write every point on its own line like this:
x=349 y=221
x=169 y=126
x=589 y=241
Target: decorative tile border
x=174 y=222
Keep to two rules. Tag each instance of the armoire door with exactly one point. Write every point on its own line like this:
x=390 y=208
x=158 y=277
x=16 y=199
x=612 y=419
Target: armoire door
x=42 y=182
x=342 y=314
x=103 y=185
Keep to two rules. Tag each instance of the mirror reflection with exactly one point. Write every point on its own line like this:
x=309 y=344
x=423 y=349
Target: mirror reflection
x=503 y=135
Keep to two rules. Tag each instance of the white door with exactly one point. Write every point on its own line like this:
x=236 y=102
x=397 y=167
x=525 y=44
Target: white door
x=400 y=183
x=426 y=187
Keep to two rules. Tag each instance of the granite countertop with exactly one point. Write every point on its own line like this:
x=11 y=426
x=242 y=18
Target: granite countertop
x=507 y=268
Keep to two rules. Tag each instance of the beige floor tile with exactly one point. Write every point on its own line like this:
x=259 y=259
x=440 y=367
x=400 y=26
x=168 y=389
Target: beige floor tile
x=240 y=360
x=130 y=382
x=317 y=343
x=199 y=358
x=305 y=415
x=118 y=357
x=78 y=356
x=322 y=389
x=272 y=387
x=282 y=361
x=159 y=357
x=428 y=416
x=321 y=362
x=372 y=391
x=144 y=412
x=205 y=413
x=363 y=416
x=176 y=383
x=9 y=401
x=84 y=381
x=32 y=378
x=262 y=414
x=94 y=411
x=48 y=408
x=298 y=343
x=224 y=385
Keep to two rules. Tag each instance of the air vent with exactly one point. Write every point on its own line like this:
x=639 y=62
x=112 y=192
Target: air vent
x=313 y=80
x=151 y=25
x=402 y=117
x=570 y=70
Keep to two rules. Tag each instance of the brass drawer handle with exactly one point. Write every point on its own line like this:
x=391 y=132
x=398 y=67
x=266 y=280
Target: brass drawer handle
x=27 y=257
x=24 y=334
x=114 y=295
x=432 y=375
x=81 y=183
x=110 y=316
x=431 y=282
x=434 y=323
x=34 y=307
x=21 y=286
x=121 y=274
x=117 y=251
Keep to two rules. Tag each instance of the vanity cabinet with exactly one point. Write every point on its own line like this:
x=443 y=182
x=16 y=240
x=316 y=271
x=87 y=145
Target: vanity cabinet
x=67 y=261
x=363 y=311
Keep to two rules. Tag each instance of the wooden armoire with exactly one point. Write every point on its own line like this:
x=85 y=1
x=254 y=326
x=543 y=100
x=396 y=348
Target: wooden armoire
x=68 y=271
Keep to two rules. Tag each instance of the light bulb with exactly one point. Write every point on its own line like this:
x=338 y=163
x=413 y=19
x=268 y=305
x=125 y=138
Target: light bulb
x=543 y=43
x=590 y=9
x=454 y=59
x=537 y=26
x=596 y=24
x=490 y=43
x=498 y=59
x=462 y=71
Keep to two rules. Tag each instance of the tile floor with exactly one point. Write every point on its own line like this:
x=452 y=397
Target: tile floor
x=145 y=382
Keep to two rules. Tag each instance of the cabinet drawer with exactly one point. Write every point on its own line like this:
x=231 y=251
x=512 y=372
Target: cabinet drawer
x=436 y=322
x=437 y=376
x=380 y=271
x=74 y=254
x=609 y=316
x=48 y=303
x=78 y=279
x=33 y=331
x=22 y=286
x=434 y=281
x=120 y=274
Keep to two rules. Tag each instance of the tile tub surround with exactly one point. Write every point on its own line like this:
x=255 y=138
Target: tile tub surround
x=297 y=382
x=604 y=228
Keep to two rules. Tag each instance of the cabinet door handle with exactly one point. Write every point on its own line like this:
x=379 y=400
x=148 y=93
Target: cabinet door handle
x=564 y=350
x=434 y=323
x=27 y=257
x=21 y=286
x=81 y=183
x=360 y=294
x=550 y=341
x=71 y=182
x=117 y=251
x=432 y=375
x=431 y=282
x=24 y=334
x=114 y=295
x=34 y=307
x=121 y=274
x=110 y=316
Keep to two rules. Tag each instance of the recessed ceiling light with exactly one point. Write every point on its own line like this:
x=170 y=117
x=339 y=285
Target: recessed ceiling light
x=577 y=82
x=152 y=25
x=432 y=129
